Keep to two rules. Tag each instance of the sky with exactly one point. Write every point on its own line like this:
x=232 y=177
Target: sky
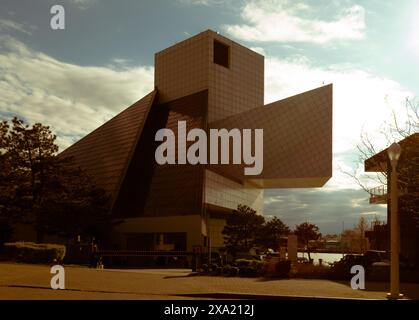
x=77 y=78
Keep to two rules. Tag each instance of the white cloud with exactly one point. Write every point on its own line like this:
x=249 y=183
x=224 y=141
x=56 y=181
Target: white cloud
x=362 y=102
x=356 y=203
x=290 y=21
x=327 y=210
x=201 y=2
x=75 y=99
x=72 y=99
x=83 y=4
x=413 y=34
x=6 y=24
x=259 y=50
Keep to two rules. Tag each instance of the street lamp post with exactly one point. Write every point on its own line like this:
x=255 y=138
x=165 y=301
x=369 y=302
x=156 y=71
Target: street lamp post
x=394 y=154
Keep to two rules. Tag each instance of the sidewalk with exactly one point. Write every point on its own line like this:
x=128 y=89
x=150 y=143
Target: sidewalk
x=22 y=281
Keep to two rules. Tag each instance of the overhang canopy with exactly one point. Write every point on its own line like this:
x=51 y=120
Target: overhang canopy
x=378 y=162
x=297 y=141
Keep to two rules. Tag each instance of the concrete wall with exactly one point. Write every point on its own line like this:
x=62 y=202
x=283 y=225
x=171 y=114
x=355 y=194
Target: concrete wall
x=216 y=226
x=192 y=225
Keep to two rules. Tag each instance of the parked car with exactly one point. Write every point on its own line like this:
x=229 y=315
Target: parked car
x=368 y=260
x=269 y=255
x=353 y=259
x=303 y=260
x=373 y=256
x=342 y=268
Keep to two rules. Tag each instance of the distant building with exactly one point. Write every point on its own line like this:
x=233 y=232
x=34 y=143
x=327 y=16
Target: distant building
x=333 y=245
x=408 y=202
x=323 y=245
x=208 y=81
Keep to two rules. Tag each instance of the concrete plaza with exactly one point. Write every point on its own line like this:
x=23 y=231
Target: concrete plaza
x=24 y=281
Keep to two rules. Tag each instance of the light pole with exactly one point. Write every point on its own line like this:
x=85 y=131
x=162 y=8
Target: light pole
x=394 y=154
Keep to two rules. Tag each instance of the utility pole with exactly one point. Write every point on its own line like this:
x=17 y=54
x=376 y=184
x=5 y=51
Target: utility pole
x=394 y=153
x=341 y=238
x=209 y=246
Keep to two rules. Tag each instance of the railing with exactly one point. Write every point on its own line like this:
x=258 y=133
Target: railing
x=143 y=253
x=97 y=257
x=378 y=195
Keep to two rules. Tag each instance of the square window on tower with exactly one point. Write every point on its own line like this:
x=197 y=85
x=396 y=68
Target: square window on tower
x=221 y=54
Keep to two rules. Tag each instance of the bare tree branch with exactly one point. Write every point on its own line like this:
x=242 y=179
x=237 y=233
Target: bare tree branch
x=394 y=130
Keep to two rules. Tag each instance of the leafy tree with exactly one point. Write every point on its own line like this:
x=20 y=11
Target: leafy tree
x=271 y=232
x=362 y=226
x=241 y=230
x=306 y=232
x=76 y=206
x=46 y=191
x=26 y=157
x=354 y=239
x=351 y=240
x=9 y=182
